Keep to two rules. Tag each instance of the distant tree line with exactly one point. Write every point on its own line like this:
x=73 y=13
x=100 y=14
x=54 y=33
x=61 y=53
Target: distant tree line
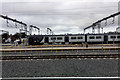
x=13 y=37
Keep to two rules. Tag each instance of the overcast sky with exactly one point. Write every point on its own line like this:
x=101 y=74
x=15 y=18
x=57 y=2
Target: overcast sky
x=62 y=16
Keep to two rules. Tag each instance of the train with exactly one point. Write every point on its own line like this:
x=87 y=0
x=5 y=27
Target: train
x=102 y=38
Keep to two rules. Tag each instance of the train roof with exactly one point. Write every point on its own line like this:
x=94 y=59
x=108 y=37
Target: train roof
x=77 y=34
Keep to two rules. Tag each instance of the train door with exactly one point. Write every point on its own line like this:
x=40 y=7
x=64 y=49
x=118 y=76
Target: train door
x=106 y=39
x=85 y=38
x=66 y=39
x=46 y=39
x=31 y=41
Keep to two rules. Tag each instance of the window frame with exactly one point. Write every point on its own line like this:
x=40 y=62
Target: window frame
x=59 y=38
x=98 y=37
x=91 y=37
x=80 y=37
x=113 y=37
x=53 y=38
x=73 y=38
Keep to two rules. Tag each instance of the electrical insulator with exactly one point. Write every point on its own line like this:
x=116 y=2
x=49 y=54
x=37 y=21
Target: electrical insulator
x=7 y=23
x=15 y=25
x=113 y=21
x=106 y=23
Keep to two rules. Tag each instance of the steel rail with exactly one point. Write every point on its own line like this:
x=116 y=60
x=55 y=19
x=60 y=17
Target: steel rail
x=60 y=56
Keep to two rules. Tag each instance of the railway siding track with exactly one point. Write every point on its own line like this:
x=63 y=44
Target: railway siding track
x=59 y=49
x=60 y=56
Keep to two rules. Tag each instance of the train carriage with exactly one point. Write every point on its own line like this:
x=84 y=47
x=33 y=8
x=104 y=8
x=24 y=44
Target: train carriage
x=95 y=38
x=114 y=38
x=56 y=39
x=75 y=39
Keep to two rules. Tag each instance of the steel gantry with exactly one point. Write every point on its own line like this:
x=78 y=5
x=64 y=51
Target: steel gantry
x=98 y=23
x=31 y=28
x=49 y=31
x=23 y=25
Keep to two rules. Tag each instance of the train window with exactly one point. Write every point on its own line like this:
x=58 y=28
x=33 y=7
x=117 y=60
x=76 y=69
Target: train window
x=91 y=37
x=80 y=37
x=112 y=37
x=59 y=38
x=98 y=37
x=118 y=37
x=73 y=37
x=54 y=38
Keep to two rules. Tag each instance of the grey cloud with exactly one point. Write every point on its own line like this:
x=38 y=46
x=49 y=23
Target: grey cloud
x=62 y=17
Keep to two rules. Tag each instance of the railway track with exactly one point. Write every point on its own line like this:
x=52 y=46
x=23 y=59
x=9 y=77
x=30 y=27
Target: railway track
x=60 y=56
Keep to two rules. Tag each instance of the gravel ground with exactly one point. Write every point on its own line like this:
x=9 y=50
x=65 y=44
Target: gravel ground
x=60 y=68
